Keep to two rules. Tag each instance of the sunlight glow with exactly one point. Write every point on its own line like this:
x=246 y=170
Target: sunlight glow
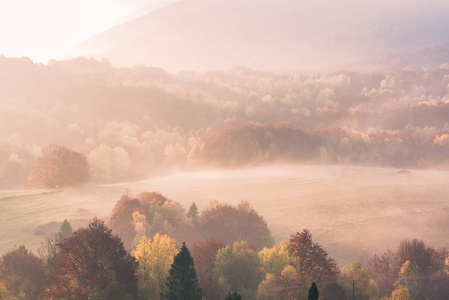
x=42 y=29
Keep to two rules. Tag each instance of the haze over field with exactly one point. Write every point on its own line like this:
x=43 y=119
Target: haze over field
x=331 y=116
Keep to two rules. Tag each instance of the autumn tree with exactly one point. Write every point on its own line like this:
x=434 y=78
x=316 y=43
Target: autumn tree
x=92 y=263
x=23 y=273
x=145 y=214
x=203 y=254
x=365 y=287
x=235 y=223
x=312 y=264
x=182 y=282
x=237 y=268
x=59 y=167
x=4 y=294
x=421 y=270
x=154 y=259
x=274 y=260
x=384 y=271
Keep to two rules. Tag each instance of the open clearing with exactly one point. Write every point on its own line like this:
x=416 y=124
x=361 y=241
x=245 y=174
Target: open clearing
x=347 y=209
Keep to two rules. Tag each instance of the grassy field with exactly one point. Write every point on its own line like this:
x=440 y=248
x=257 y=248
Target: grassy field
x=349 y=210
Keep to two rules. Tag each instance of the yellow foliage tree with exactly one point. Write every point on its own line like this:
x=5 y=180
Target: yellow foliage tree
x=401 y=293
x=155 y=258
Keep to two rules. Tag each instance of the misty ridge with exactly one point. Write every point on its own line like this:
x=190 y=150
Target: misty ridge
x=137 y=122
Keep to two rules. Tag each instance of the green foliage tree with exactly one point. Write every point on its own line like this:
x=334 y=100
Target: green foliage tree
x=59 y=167
x=92 y=263
x=233 y=296
x=238 y=268
x=365 y=287
x=154 y=259
x=274 y=260
x=182 y=282
x=313 y=294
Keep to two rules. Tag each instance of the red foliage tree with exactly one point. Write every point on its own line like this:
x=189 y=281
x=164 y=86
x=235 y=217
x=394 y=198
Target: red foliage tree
x=235 y=223
x=22 y=272
x=203 y=254
x=312 y=264
x=93 y=263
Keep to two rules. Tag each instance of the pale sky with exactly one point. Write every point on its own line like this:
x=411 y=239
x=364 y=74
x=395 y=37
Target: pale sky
x=40 y=29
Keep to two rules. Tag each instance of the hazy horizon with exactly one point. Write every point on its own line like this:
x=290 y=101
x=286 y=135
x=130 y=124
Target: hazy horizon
x=273 y=117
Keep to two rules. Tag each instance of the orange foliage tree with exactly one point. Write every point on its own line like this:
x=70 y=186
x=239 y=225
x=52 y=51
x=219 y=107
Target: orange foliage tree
x=58 y=167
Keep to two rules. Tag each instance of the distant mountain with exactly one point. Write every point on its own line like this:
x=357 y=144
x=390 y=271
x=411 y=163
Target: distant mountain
x=279 y=35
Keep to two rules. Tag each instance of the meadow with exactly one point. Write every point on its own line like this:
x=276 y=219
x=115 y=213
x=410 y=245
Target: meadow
x=351 y=211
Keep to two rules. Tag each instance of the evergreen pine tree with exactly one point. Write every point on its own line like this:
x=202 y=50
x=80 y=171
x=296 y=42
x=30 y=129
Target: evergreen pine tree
x=234 y=296
x=65 y=230
x=193 y=212
x=313 y=292
x=182 y=282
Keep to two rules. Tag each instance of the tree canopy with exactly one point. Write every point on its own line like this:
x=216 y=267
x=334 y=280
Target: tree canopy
x=59 y=167
x=182 y=282
x=92 y=263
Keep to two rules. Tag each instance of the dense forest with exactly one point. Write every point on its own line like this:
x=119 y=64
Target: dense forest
x=152 y=248
x=157 y=122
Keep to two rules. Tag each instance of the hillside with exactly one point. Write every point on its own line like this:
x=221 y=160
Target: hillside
x=279 y=35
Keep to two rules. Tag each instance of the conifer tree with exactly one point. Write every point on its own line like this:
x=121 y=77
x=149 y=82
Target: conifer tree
x=193 y=212
x=313 y=292
x=182 y=282
x=65 y=230
x=234 y=296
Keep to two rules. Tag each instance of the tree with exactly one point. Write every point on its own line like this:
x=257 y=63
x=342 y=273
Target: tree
x=313 y=292
x=233 y=296
x=421 y=270
x=182 y=282
x=193 y=212
x=401 y=293
x=237 y=268
x=235 y=223
x=59 y=167
x=92 y=263
x=274 y=260
x=23 y=273
x=66 y=230
x=365 y=288
x=312 y=264
x=203 y=254
x=384 y=271
x=154 y=260
x=4 y=295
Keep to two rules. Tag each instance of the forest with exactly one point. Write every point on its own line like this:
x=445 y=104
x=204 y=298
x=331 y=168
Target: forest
x=158 y=122
x=151 y=247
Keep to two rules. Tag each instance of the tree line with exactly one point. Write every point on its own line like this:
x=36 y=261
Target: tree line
x=136 y=257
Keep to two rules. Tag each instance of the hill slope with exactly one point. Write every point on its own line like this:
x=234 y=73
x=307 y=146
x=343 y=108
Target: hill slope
x=287 y=34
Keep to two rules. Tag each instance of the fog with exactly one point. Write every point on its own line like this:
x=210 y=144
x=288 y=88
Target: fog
x=350 y=210
x=330 y=116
